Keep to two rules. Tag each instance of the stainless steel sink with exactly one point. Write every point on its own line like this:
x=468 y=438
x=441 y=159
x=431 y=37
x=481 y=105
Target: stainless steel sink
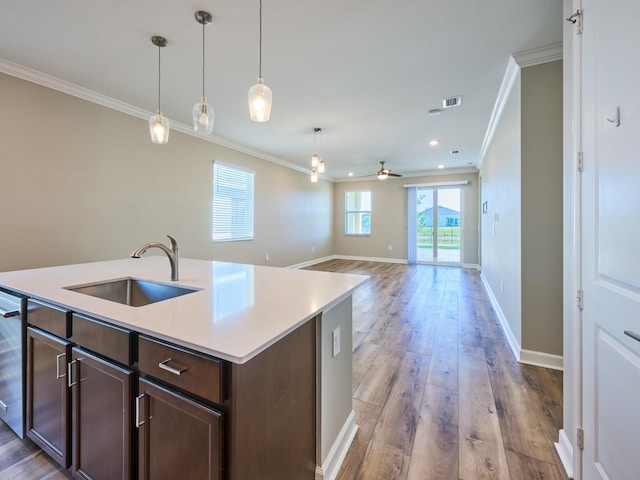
x=132 y=291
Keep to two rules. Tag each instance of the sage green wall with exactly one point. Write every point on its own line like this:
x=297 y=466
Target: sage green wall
x=389 y=217
x=542 y=208
x=84 y=183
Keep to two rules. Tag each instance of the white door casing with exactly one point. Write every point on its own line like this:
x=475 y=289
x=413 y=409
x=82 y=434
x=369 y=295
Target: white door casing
x=611 y=236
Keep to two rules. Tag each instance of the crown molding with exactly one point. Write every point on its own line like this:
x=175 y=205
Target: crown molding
x=536 y=56
x=518 y=61
x=509 y=79
x=425 y=173
x=82 y=93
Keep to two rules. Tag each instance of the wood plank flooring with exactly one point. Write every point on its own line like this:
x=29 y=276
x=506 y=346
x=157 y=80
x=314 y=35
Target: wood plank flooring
x=436 y=391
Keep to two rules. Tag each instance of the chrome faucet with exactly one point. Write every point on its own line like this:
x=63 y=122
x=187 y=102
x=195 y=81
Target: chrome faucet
x=172 y=253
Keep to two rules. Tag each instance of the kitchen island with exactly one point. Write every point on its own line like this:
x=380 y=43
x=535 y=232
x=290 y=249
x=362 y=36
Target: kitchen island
x=281 y=389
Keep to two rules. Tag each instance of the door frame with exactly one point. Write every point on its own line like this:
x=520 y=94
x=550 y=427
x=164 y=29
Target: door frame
x=567 y=446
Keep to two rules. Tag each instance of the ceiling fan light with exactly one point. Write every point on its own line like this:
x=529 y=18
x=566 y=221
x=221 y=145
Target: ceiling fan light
x=382 y=175
x=203 y=117
x=260 y=102
x=159 y=128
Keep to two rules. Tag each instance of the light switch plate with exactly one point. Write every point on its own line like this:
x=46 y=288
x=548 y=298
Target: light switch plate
x=336 y=341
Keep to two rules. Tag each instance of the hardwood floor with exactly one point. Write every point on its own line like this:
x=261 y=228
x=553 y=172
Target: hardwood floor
x=436 y=391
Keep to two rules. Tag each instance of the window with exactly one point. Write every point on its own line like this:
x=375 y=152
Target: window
x=357 y=213
x=232 y=203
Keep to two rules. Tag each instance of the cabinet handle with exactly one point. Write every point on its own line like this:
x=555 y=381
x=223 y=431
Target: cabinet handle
x=633 y=335
x=176 y=371
x=58 y=357
x=3 y=406
x=9 y=313
x=138 y=422
x=70 y=382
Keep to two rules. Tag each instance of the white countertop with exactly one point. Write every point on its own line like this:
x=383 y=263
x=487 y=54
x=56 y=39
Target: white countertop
x=239 y=311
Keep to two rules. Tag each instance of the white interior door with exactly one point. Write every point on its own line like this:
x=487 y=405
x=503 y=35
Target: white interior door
x=611 y=235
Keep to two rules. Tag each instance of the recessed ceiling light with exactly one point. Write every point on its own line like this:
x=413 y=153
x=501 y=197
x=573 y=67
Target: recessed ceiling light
x=434 y=142
x=350 y=174
x=440 y=166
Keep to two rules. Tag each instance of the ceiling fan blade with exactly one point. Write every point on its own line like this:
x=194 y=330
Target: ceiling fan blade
x=394 y=174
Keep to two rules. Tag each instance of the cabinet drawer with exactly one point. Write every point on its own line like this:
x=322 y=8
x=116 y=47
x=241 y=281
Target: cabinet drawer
x=111 y=341
x=188 y=371
x=49 y=318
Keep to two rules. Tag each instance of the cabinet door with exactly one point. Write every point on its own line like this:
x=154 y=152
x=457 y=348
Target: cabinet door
x=47 y=394
x=102 y=419
x=177 y=437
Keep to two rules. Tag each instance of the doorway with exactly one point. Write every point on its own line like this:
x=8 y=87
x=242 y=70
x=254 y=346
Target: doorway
x=438 y=225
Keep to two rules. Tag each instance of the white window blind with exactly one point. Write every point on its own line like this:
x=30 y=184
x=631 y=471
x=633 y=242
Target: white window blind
x=357 y=213
x=232 y=203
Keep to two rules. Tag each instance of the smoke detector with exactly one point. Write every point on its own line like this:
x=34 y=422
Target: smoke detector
x=452 y=102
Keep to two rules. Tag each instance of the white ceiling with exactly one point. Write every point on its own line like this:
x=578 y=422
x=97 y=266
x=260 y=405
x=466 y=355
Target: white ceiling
x=366 y=72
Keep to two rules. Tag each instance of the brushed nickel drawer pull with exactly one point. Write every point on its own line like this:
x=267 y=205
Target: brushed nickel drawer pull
x=633 y=335
x=175 y=371
x=138 y=422
x=3 y=406
x=58 y=357
x=70 y=382
x=9 y=313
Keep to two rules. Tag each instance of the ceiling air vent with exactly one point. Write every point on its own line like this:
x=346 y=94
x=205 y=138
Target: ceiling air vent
x=451 y=102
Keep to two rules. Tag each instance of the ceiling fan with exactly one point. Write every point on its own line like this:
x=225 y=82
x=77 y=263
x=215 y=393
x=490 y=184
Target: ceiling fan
x=385 y=172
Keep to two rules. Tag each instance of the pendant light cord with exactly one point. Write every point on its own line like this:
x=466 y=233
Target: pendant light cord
x=159 y=109
x=260 y=56
x=203 y=25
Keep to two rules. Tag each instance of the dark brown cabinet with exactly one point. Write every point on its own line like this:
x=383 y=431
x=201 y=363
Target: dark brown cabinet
x=47 y=404
x=177 y=437
x=101 y=417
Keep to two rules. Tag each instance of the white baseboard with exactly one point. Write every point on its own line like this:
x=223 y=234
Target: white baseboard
x=506 y=328
x=565 y=452
x=331 y=465
x=312 y=262
x=541 y=359
x=528 y=357
x=371 y=259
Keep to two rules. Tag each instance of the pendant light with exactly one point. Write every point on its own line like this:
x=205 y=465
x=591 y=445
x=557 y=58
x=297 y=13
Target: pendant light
x=202 y=111
x=317 y=164
x=158 y=124
x=260 y=94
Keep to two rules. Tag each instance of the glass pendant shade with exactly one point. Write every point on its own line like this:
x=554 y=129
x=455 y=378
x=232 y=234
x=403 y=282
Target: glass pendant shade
x=159 y=128
x=203 y=117
x=321 y=166
x=314 y=176
x=260 y=102
x=314 y=160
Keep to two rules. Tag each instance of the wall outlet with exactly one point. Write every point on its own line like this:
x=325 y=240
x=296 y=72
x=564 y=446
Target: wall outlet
x=336 y=341
x=390 y=247
x=266 y=257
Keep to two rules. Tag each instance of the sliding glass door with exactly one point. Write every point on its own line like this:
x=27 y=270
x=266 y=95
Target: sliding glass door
x=438 y=225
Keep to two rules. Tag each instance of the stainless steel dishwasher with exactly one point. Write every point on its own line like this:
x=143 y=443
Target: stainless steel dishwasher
x=12 y=367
